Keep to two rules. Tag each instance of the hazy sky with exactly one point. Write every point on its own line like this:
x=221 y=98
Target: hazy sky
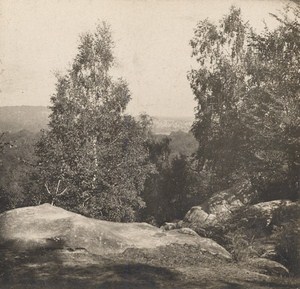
x=40 y=37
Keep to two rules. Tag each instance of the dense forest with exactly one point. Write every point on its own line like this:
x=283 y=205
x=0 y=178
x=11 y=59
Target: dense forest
x=19 y=178
x=97 y=160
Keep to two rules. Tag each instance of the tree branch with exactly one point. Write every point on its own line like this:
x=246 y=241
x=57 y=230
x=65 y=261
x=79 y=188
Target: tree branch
x=57 y=187
x=48 y=189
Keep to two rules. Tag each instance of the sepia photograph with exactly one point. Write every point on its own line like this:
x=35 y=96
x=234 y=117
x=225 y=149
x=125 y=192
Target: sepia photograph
x=149 y=144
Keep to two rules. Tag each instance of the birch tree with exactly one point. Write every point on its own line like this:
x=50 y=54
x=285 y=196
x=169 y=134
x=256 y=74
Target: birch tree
x=247 y=86
x=93 y=149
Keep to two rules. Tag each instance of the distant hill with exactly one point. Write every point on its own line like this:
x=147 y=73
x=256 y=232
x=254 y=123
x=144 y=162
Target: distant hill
x=35 y=118
x=16 y=118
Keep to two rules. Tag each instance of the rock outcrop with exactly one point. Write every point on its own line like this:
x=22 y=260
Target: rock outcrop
x=266 y=210
x=196 y=215
x=219 y=208
x=268 y=267
x=232 y=217
x=223 y=203
x=47 y=226
x=223 y=206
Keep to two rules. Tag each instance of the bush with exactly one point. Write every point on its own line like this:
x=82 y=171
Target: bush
x=287 y=238
x=241 y=232
x=240 y=245
x=251 y=221
x=288 y=248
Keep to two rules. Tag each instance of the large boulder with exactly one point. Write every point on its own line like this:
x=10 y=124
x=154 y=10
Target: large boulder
x=266 y=210
x=223 y=203
x=264 y=217
x=219 y=208
x=197 y=215
x=47 y=226
x=268 y=267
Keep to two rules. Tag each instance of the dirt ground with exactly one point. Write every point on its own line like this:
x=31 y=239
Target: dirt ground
x=168 y=268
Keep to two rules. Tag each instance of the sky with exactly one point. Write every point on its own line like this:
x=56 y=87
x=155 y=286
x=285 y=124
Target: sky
x=39 y=38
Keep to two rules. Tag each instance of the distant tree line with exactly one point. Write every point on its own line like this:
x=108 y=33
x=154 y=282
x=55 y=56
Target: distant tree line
x=97 y=160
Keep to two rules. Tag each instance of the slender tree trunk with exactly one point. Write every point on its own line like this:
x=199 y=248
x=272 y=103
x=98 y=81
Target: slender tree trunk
x=94 y=143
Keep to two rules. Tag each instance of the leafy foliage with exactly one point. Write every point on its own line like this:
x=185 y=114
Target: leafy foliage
x=92 y=147
x=176 y=186
x=17 y=161
x=287 y=237
x=247 y=88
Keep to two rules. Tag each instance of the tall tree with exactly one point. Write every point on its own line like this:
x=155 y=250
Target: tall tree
x=247 y=89
x=93 y=158
x=271 y=110
x=218 y=84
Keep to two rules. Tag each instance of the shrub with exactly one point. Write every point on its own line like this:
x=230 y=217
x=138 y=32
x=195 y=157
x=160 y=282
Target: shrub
x=240 y=245
x=287 y=237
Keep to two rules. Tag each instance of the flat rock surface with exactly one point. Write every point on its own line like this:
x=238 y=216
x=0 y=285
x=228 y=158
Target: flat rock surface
x=47 y=247
x=46 y=226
